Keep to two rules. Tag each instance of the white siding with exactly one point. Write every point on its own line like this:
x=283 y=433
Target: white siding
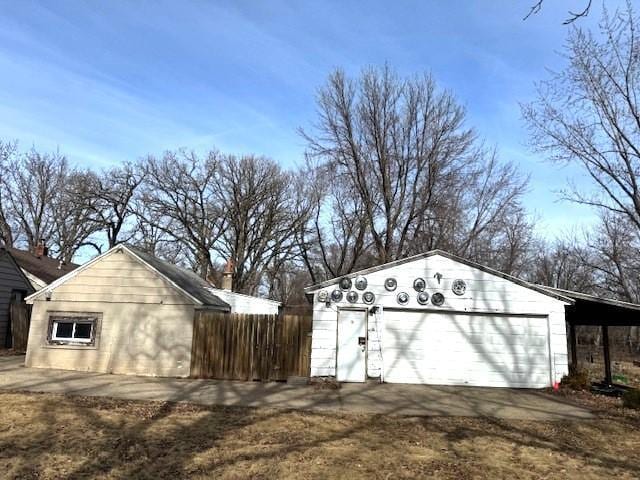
x=241 y=303
x=485 y=293
x=36 y=283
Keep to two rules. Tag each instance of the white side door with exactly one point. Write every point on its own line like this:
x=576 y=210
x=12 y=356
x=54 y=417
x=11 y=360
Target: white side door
x=352 y=346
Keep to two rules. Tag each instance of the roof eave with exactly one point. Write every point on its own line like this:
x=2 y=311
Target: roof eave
x=215 y=291
x=593 y=298
x=217 y=308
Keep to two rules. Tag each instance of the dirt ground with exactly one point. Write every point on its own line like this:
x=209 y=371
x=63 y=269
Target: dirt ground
x=9 y=352
x=623 y=372
x=53 y=436
x=623 y=369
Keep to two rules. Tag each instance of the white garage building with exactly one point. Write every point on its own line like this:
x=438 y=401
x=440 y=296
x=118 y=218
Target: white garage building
x=438 y=319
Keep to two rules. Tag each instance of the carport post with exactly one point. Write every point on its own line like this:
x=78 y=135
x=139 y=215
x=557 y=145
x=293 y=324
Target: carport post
x=607 y=355
x=574 y=346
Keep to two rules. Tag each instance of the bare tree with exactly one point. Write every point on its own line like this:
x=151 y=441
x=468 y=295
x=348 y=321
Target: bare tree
x=7 y=152
x=400 y=161
x=31 y=184
x=572 y=15
x=284 y=281
x=333 y=239
x=182 y=198
x=615 y=247
x=73 y=227
x=105 y=198
x=613 y=255
x=565 y=263
x=39 y=201
x=395 y=143
x=492 y=226
x=151 y=231
x=589 y=115
x=255 y=194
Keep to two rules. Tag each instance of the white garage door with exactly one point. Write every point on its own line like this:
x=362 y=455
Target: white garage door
x=465 y=349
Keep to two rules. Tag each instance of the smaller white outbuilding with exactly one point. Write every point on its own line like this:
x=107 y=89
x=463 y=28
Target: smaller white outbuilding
x=435 y=318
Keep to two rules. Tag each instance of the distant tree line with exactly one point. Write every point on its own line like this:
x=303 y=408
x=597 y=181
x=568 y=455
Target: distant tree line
x=189 y=209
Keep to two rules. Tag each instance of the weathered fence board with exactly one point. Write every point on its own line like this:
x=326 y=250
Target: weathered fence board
x=250 y=347
x=19 y=317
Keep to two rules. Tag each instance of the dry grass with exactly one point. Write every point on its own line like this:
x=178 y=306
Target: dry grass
x=52 y=436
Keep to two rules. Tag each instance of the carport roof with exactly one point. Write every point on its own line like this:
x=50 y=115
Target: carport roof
x=592 y=298
x=591 y=310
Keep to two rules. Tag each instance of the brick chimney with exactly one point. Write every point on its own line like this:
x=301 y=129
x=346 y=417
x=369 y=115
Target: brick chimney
x=41 y=249
x=227 y=276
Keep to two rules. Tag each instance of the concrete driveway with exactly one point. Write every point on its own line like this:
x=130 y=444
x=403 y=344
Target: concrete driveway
x=392 y=399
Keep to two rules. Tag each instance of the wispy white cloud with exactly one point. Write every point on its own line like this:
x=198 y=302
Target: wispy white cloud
x=116 y=80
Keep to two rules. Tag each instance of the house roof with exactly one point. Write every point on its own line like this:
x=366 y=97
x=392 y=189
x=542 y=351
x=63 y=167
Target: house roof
x=45 y=268
x=450 y=256
x=183 y=278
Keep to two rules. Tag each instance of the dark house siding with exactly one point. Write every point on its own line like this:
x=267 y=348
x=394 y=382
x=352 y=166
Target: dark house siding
x=45 y=268
x=11 y=279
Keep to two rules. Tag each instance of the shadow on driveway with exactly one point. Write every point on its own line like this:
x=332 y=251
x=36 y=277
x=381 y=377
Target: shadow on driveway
x=390 y=399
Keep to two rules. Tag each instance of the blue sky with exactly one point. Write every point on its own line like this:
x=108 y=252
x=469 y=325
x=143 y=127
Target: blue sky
x=110 y=81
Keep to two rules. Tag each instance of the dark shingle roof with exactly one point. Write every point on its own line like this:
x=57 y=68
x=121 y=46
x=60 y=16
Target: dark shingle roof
x=45 y=268
x=185 y=279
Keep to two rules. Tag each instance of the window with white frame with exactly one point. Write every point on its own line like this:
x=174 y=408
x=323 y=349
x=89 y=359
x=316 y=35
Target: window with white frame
x=77 y=329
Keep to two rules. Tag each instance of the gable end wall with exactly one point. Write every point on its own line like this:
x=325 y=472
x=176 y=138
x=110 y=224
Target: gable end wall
x=486 y=293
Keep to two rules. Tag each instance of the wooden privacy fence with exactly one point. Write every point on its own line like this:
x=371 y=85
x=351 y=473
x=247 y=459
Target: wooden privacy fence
x=19 y=317
x=250 y=347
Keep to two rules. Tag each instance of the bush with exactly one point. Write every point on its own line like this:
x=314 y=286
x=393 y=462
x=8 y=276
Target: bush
x=576 y=380
x=619 y=378
x=631 y=399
